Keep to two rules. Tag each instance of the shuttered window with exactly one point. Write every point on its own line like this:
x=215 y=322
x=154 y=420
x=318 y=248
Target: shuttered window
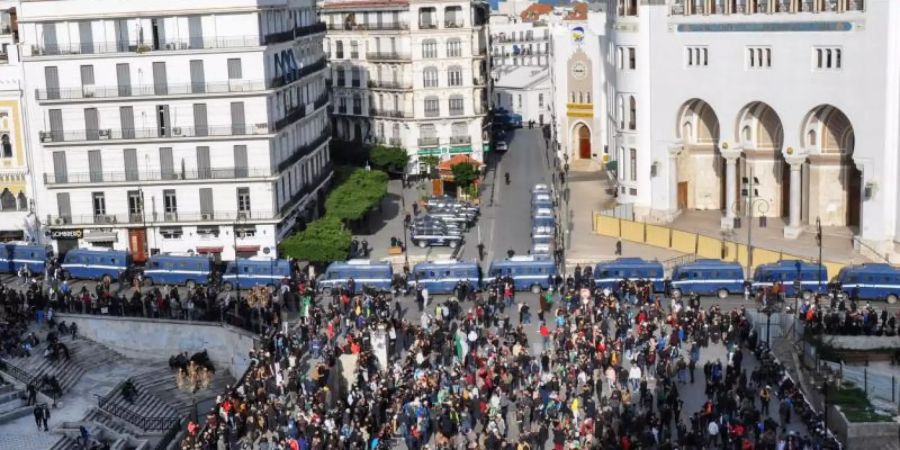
x=204 y=170
x=60 y=171
x=206 y=201
x=51 y=78
x=160 y=82
x=123 y=78
x=131 y=165
x=240 y=161
x=201 y=128
x=126 y=121
x=198 y=78
x=95 y=165
x=166 y=163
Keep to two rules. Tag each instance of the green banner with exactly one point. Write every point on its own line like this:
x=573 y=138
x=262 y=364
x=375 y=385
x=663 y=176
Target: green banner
x=435 y=151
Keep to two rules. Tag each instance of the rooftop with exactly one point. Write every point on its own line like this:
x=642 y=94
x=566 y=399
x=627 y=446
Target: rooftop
x=520 y=77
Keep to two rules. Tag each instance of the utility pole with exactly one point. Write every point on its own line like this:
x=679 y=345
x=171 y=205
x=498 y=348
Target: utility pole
x=819 y=243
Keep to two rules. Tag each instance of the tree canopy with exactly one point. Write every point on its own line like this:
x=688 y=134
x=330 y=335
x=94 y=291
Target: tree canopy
x=358 y=194
x=464 y=174
x=389 y=159
x=323 y=240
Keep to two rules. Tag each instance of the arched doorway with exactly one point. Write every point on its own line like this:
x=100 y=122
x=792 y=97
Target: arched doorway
x=701 y=169
x=834 y=184
x=761 y=134
x=583 y=141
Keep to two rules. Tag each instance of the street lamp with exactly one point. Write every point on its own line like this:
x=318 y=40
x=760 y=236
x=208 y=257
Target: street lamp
x=748 y=190
x=819 y=243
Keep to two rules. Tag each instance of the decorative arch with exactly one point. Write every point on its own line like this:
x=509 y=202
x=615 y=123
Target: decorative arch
x=581 y=133
x=700 y=168
x=827 y=130
x=759 y=128
x=697 y=123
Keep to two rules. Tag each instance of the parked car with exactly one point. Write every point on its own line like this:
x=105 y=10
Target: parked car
x=502 y=146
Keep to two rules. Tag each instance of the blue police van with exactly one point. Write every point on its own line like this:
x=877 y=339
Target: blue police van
x=173 y=269
x=528 y=272
x=97 y=264
x=248 y=273
x=707 y=277
x=14 y=256
x=607 y=275
x=441 y=276
x=870 y=281
x=376 y=274
x=813 y=277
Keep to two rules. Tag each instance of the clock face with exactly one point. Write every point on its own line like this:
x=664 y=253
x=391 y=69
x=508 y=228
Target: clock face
x=579 y=71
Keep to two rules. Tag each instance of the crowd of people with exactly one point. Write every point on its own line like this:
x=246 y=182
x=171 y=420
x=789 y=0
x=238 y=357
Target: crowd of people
x=608 y=371
x=830 y=315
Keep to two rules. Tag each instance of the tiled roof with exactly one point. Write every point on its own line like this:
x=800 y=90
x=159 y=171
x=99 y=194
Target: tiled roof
x=535 y=11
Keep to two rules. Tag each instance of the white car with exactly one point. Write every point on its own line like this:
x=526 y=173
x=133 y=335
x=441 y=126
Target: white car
x=502 y=146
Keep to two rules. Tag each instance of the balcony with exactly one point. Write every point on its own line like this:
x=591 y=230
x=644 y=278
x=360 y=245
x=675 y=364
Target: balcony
x=309 y=188
x=285 y=79
x=453 y=23
x=304 y=150
x=393 y=26
x=162 y=218
x=460 y=140
x=289 y=35
x=457 y=111
x=100 y=48
x=109 y=134
x=389 y=113
x=300 y=112
x=388 y=56
x=429 y=142
x=428 y=24
x=229 y=173
x=479 y=81
x=222 y=87
x=432 y=113
x=393 y=85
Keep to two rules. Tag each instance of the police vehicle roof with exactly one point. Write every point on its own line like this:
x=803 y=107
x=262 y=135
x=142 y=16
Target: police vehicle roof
x=444 y=263
x=789 y=264
x=630 y=262
x=874 y=268
x=709 y=264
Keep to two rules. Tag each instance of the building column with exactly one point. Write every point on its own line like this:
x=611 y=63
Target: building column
x=674 y=151
x=731 y=156
x=793 y=229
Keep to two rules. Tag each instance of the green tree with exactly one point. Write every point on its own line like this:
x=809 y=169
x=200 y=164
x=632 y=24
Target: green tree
x=389 y=159
x=324 y=240
x=430 y=162
x=358 y=194
x=464 y=174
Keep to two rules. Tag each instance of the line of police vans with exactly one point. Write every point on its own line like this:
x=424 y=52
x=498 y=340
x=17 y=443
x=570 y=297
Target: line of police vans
x=704 y=277
x=116 y=265
x=869 y=281
x=543 y=221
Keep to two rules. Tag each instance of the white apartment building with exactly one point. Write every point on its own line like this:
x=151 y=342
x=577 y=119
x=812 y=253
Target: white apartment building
x=518 y=42
x=524 y=90
x=410 y=74
x=199 y=126
x=695 y=96
x=17 y=219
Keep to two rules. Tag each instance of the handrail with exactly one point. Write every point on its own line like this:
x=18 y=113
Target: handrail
x=167 y=438
x=146 y=423
x=23 y=376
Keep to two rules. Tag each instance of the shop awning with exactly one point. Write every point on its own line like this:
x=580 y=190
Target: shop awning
x=247 y=248
x=101 y=236
x=204 y=250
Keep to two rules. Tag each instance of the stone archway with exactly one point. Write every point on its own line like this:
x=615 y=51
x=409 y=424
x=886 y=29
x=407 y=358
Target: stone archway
x=834 y=184
x=701 y=169
x=581 y=140
x=761 y=135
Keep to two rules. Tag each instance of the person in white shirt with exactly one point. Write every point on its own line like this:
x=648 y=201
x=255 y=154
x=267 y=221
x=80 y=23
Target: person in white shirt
x=634 y=377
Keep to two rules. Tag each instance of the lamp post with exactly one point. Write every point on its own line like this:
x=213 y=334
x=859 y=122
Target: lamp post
x=819 y=243
x=748 y=190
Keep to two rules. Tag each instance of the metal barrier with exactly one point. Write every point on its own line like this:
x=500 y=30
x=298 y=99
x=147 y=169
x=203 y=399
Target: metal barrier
x=146 y=423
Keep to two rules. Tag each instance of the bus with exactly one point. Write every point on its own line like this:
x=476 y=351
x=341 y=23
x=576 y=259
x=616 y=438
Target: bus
x=442 y=276
x=707 y=277
x=181 y=270
x=248 y=273
x=97 y=264
x=870 y=281
x=376 y=274
x=813 y=278
x=530 y=272
x=607 y=275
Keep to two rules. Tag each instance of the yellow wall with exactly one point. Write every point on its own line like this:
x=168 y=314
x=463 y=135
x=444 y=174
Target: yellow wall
x=708 y=247
x=658 y=236
x=684 y=242
x=607 y=226
x=632 y=231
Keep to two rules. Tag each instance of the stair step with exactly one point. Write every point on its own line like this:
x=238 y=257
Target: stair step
x=10 y=414
x=65 y=443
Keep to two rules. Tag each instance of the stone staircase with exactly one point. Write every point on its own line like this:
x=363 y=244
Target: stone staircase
x=84 y=355
x=99 y=432
x=12 y=403
x=160 y=383
x=66 y=443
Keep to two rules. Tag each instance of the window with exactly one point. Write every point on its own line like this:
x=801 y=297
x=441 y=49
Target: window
x=626 y=58
x=827 y=58
x=519 y=101
x=540 y=100
x=759 y=57
x=632 y=58
x=339 y=50
x=696 y=56
x=432 y=107
x=354 y=77
x=7 y=146
x=429 y=48
x=171 y=232
x=341 y=77
x=454 y=48
x=632 y=113
x=456 y=105
x=170 y=201
x=243 y=200
x=621 y=112
x=430 y=77
x=99 y=204
x=632 y=164
x=235 y=71
x=135 y=204
x=209 y=231
x=354 y=50
x=454 y=76
x=245 y=231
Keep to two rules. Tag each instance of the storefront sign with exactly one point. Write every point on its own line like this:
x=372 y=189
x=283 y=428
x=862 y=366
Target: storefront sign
x=67 y=234
x=463 y=149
